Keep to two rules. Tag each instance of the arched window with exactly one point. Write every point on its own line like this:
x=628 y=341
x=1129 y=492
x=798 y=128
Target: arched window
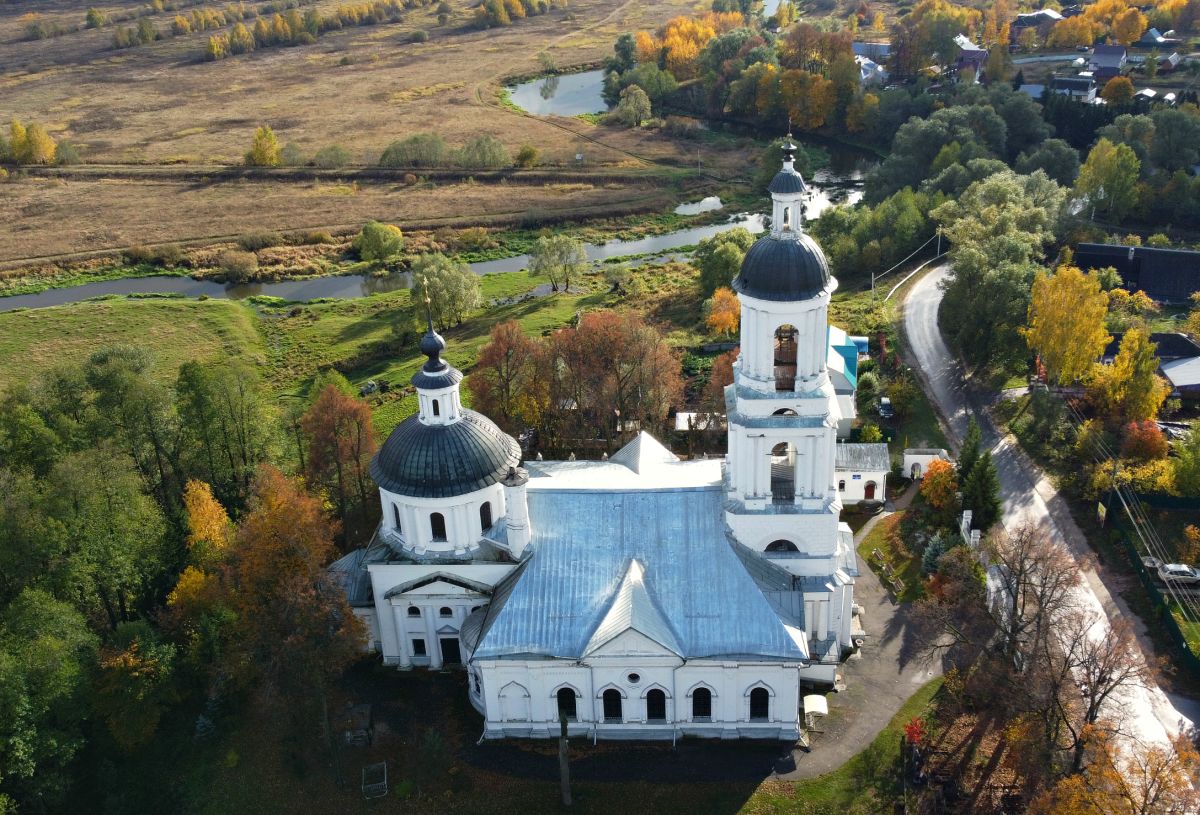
x=485 y=516
x=783 y=473
x=437 y=411
x=869 y=490
x=437 y=525
x=785 y=412
x=760 y=705
x=612 y=706
x=785 y=358
x=566 y=703
x=781 y=546
x=413 y=611
x=842 y=485
x=702 y=704
x=445 y=611
x=787 y=217
x=656 y=706
x=396 y=516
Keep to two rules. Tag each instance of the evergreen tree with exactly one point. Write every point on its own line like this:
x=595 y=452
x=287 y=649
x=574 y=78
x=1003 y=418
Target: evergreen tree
x=981 y=493
x=969 y=455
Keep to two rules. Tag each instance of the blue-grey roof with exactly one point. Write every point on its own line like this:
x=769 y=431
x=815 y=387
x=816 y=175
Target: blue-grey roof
x=867 y=456
x=442 y=461
x=787 y=182
x=787 y=267
x=633 y=609
x=584 y=545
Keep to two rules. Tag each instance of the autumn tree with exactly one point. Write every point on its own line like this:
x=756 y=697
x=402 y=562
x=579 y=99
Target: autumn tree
x=1147 y=781
x=264 y=149
x=1109 y=177
x=1117 y=91
x=1128 y=26
x=209 y=527
x=723 y=311
x=1129 y=390
x=808 y=98
x=1066 y=322
x=940 y=485
x=613 y=368
x=506 y=382
x=294 y=631
x=560 y=258
x=341 y=441
x=719 y=377
x=136 y=684
x=1143 y=441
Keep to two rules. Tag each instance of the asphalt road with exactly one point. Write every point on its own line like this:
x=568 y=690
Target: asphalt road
x=1147 y=714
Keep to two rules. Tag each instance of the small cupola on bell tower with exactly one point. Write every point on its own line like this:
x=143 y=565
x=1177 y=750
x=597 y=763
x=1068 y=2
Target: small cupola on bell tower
x=437 y=382
x=787 y=190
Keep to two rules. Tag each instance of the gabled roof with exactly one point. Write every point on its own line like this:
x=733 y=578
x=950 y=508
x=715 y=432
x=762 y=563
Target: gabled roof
x=867 y=456
x=1183 y=373
x=643 y=453
x=583 y=544
x=633 y=609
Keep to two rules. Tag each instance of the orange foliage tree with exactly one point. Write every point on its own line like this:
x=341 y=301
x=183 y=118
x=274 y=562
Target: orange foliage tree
x=940 y=484
x=341 y=441
x=1128 y=26
x=294 y=630
x=506 y=383
x=724 y=311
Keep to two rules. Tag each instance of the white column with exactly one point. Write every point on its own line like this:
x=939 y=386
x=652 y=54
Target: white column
x=432 y=646
x=398 y=617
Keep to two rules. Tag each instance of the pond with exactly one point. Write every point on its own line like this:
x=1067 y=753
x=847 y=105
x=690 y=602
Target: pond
x=352 y=286
x=561 y=95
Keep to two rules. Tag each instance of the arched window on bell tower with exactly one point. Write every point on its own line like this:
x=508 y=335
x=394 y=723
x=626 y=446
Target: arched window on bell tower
x=785 y=358
x=787 y=217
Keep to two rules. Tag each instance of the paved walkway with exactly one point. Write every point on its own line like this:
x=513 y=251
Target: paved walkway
x=878 y=681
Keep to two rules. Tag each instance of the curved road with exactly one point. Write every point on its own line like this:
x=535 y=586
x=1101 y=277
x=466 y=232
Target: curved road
x=1149 y=716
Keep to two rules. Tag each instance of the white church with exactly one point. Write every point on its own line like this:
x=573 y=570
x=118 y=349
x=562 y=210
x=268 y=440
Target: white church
x=642 y=597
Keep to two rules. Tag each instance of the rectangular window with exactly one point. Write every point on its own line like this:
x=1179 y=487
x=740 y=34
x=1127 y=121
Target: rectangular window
x=418 y=647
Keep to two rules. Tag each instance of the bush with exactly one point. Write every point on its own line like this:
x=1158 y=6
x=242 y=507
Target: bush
x=169 y=255
x=318 y=237
x=332 y=157
x=484 y=153
x=291 y=155
x=253 y=241
x=66 y=154
x=418 y=150
x=238 y=266
x=419 y=36
x=378 y=242
x=138 y=254
x=527 y=156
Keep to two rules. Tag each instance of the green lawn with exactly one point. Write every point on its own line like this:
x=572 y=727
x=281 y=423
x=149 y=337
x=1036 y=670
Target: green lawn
x=869 y=782
x=174 y=330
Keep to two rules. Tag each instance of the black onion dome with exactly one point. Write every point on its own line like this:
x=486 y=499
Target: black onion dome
x=442 y=461
x=789 y=267
x=787 y=182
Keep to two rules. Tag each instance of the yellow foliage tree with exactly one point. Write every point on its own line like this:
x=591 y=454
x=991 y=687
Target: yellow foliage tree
x=1066 y=322
x=861 y=110
x=647 y=47
x=1073 y=32
x=209 y=528
x=1130 y=389
x=808 y=98
x=264 y=150
x=39 y=146
x=17 y=143
x=724 y=311
x=1128 y=26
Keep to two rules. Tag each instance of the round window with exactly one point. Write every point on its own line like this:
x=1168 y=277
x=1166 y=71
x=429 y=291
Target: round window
x=634 y=678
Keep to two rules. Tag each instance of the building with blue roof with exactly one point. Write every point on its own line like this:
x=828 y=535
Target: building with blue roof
x=640 y=597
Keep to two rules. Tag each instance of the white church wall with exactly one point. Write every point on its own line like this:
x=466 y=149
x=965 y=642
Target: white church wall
x=520 y=697
x=461 y=514
x=852 y=485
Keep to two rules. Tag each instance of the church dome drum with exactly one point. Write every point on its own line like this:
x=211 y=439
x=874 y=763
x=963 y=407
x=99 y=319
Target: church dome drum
x=442 y=461
x=786 y=267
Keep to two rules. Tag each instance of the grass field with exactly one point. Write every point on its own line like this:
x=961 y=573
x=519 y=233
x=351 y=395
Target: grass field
x=174 y=330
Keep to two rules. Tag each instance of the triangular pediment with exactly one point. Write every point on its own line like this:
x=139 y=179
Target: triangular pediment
x=634 y=611
x=439 y=583
x=631 y=643
x=643 y=453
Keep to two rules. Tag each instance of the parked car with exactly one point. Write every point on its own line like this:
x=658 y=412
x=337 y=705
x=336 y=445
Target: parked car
x=1178 y=573
x=886 y=411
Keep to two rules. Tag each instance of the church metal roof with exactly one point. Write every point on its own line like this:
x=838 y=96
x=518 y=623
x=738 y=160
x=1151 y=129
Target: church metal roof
x=865 y=456
x=442 y=461
x=584 y=546
x=786 y=267
x=633 y=609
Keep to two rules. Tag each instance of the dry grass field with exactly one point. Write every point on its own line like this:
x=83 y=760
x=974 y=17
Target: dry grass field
x=161 y=104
